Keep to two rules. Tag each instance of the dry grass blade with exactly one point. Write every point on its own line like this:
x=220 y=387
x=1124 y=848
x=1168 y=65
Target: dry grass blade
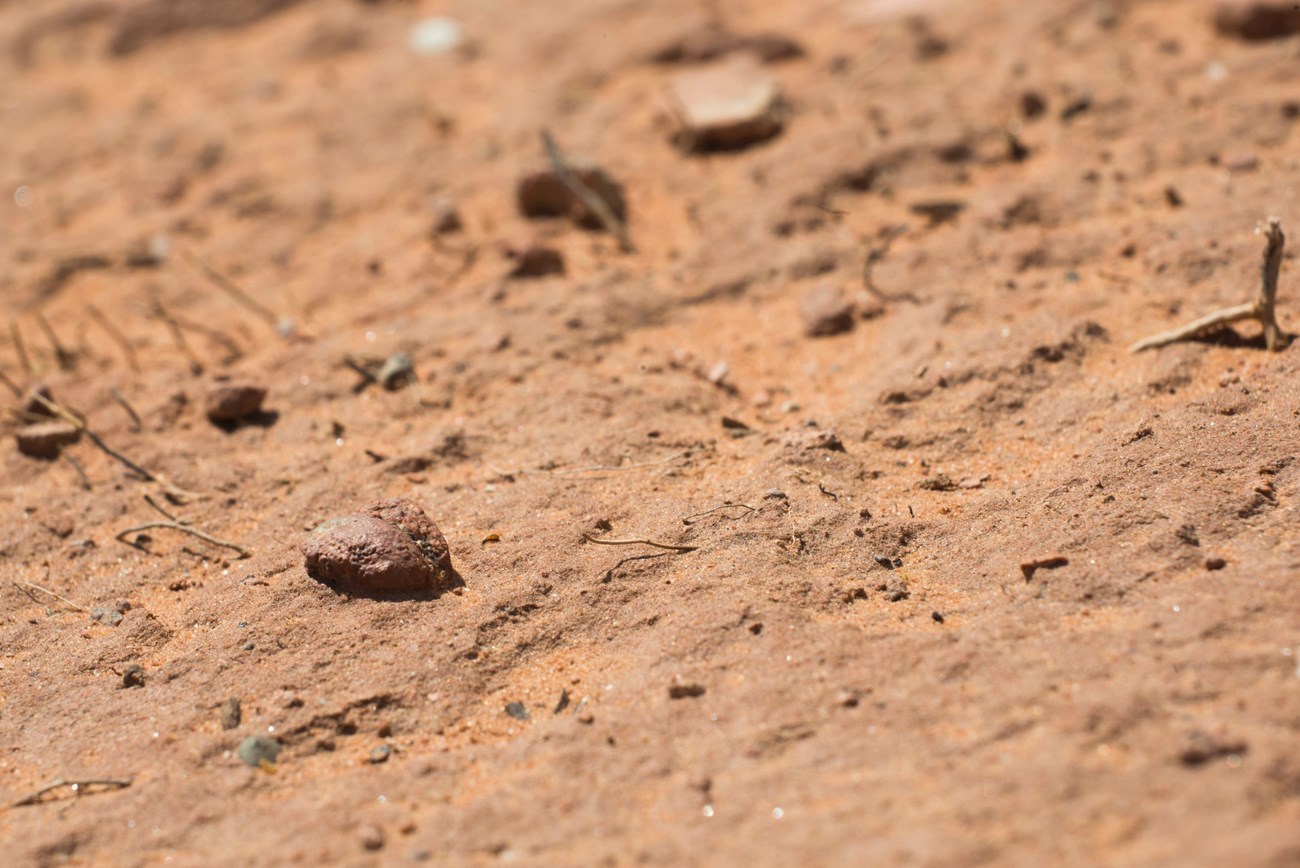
x=597 y=205
x=183 y=528
x=28 y=587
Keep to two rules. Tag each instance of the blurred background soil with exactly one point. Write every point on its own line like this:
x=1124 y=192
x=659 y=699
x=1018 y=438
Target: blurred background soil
x=885 y=329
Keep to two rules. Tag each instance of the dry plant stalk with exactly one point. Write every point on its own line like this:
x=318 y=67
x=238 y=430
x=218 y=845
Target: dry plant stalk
x=585 y=194
x=1262 y=308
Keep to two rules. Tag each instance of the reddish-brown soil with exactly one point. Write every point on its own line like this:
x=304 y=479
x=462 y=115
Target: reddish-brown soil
x=775 y=696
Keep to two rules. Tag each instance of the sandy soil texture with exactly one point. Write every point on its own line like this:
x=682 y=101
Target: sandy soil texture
x=944 y=574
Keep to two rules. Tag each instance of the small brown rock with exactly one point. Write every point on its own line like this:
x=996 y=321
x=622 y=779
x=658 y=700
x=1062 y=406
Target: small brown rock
x=728 y=106
x=543 y=194
x=446 y=219
x=372 y=837
x=826 y=312
x=1255 y=21
x=390 y=546
x=537 y=260
x=45 y=439
x=231 y=713
x=230 y=402
x=1049 y=562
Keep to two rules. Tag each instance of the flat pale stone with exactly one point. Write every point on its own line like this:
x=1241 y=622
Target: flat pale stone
x=729 y=105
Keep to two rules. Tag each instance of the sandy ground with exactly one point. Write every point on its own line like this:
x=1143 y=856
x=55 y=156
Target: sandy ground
x=1035 y=185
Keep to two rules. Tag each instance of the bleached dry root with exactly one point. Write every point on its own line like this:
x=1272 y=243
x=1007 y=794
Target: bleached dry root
x=1261 y=309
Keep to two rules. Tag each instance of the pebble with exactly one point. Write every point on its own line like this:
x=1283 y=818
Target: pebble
x=380 y=754
x=133 y=675
x=433 y=36
x=108 y=617
x=826 y=312
x=45 y=439
x=446 y=219
x=231 y=713
x=1257 y=20
x=398 y=370
x=230 y=402
x=517 y=711
x=372 y=837
x=685 y=691
x=728 y=106
x=1215 y=563
x=257 y=749
x=543 y=194
x=391 y=545
x=537 y=260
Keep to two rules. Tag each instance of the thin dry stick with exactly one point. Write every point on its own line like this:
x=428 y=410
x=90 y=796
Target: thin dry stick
x=174 y=494
x=13 y=387
x=183 y=528
x=67 y=361
x=178 y=336
x=233 y=350
x=136 y=424
x=1262 y=308
x=875 y=255
x=695 y=517
x=598 y=206
x=28 y=587
x=22 y=350
x=106 y=784
x=117 y=336
x=228 y=286
x=638 y=542
x=76 y=465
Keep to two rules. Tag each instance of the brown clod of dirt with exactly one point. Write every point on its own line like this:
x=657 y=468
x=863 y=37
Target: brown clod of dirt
x=391 y=545
x=537 y=260
x=1257 y=21
x=230 y=402
x=826 y=311
x=544 y=194
x=45 y=439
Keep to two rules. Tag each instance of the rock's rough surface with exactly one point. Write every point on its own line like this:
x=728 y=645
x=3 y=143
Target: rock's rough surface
x=391 y=545
x=230 y=402
x=45 y=439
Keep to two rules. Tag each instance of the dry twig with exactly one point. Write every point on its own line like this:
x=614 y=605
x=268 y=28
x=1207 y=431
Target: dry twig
x=136 y=424
x=1262 y=308
x=638 y=542
x=103 y=785
x=23 y=358
x=28 y=587
x=228 y=286
x=13 y=387
x=695 y=517
x=597 y=205
x=66 y=360
x=177 y=495
x=76 y=465
x=178 y=336
x=117 y=336
x=175 y=522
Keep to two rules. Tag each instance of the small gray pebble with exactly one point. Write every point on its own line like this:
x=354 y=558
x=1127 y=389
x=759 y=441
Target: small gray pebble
x=517 y=711
x=108 y=617
x=258 y=748
x=380 y=754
